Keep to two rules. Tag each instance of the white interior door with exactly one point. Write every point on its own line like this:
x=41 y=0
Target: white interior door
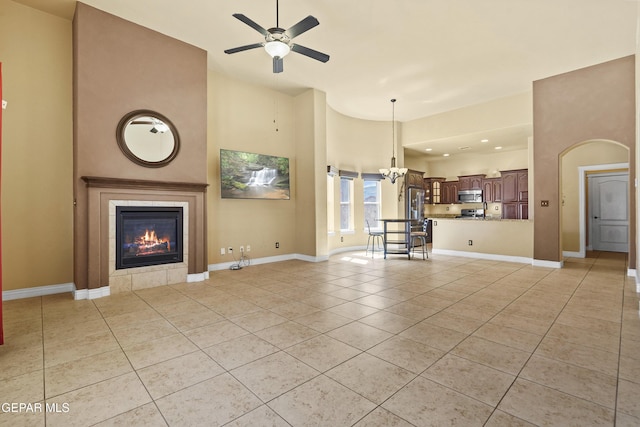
x=609 y=212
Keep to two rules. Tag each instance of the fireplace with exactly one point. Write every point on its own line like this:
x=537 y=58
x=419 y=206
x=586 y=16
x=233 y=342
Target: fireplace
x=148 y=235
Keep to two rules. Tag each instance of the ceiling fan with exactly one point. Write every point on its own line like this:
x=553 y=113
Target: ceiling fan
x=278 y=42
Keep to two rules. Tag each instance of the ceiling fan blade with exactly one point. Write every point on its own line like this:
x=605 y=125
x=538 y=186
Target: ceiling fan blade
x=318 y=56
x=251 y=23
x=305 y=25
x=278 y=64
x=242 y=48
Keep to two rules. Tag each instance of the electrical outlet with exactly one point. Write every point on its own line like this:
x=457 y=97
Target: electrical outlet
x=248 y=248
x=470 y=242
x=241 y=249
x=544 y=203
x=277 y=245
x=341 y=239
x=230 y=249
x=222 y=251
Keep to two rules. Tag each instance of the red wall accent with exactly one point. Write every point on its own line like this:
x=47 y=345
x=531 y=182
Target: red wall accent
x=1 y=330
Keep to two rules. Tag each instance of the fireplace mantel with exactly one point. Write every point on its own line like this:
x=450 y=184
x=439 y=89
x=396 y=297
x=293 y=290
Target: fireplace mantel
x=141 y=184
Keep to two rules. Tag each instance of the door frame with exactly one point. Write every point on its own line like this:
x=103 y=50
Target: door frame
x=582 y=200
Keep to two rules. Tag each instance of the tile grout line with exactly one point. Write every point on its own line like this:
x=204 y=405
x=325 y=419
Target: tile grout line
x=538 y=345
x=250 y=297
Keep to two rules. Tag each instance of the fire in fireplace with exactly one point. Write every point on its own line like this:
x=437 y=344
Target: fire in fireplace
x=148 y=236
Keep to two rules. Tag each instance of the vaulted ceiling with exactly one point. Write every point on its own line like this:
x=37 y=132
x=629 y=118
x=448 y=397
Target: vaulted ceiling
x=432 y=55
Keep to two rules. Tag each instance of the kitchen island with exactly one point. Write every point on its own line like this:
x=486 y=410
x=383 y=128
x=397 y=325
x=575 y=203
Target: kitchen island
x=499 y=239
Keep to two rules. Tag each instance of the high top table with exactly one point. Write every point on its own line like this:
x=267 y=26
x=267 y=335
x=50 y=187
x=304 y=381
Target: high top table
x=398 y=236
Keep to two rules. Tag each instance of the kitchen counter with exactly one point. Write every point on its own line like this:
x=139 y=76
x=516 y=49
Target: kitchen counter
x=502 y=238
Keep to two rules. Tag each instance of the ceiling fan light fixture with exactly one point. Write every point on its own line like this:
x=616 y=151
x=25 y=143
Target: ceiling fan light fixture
x=158 y=126
x=277 y=41
x=277 y=49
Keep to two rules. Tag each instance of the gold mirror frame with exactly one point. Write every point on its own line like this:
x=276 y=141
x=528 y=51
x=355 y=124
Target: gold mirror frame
x=153 y=143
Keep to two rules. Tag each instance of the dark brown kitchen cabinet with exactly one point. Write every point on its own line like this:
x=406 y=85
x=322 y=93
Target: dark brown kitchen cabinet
x=470 y=182
x=515 y=185
x=492 y=190
x=515 y=210
x=515 y=194
x=523 y=210
x=449 y=192
x=414 y=178
x=432 y=188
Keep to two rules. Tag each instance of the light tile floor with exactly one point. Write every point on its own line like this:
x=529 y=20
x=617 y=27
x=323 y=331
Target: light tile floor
x=352 y=341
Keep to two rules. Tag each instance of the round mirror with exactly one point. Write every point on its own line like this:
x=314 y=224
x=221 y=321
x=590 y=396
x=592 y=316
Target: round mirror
x=148 y=138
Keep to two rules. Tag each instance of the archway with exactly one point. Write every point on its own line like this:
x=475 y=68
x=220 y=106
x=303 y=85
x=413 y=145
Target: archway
x=576 y=163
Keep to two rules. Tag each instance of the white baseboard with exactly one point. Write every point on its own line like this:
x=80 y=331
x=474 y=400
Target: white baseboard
x=310 y=258
x=547 y=264
x=37 y=291
x=197 y=277
x=479 y=255
x=103 y=291
x=78 y=294
x=268 y=260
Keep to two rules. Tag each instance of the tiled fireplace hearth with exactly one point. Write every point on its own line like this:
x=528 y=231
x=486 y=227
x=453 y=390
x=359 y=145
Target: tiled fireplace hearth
x=103 y=198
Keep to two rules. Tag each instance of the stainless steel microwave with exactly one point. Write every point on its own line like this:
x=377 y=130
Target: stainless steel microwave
x=470 y=196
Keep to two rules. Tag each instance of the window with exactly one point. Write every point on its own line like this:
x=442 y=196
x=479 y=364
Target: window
x=346 y=205
x=331 y=218
x=372 y=200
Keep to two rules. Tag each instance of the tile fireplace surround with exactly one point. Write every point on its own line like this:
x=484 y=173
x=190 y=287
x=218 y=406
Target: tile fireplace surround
x=102 y=197
x=132 y=279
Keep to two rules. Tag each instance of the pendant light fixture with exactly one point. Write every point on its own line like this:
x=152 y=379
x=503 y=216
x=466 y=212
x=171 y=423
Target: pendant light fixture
x=393 y=172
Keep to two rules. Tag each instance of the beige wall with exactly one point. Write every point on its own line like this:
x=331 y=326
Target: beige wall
x=481 y=164
x=311 y=151
x=597 y=102
x=37 y=158
x=119 y=74
x=497 y=114
x=241 y=117
x=504 y=113
x=588 y=154
x=488 y=237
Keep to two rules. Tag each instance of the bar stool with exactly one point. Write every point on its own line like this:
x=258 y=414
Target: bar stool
x=420 y=236
x=375 y=235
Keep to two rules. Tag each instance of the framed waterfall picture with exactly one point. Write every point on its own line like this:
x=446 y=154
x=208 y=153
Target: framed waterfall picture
x=253 y=176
